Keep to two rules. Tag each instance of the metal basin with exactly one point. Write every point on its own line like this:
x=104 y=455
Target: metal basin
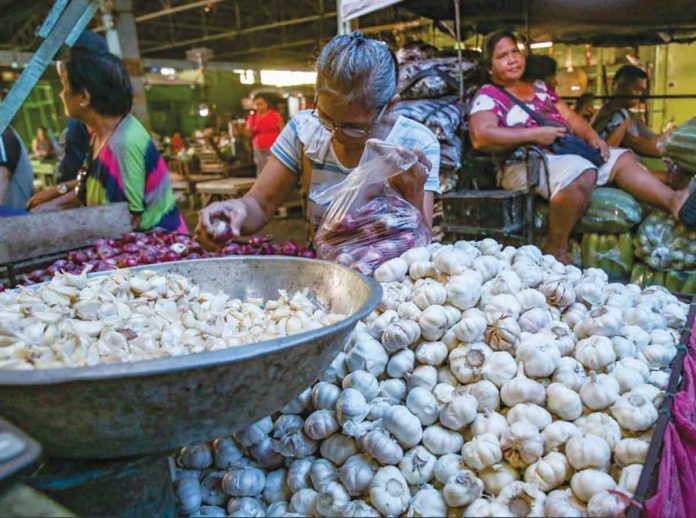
x=125 y=409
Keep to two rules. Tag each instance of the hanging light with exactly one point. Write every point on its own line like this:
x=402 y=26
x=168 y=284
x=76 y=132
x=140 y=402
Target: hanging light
x=203 y=110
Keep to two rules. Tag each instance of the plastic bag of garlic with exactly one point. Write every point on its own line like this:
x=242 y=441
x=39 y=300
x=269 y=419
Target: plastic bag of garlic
x=491 y=381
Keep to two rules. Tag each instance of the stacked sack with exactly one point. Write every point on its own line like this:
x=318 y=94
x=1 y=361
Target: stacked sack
x=490 y=381
x=429 y=92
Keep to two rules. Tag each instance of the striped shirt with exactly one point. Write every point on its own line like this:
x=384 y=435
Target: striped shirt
x=129 y=168
x=304 y=133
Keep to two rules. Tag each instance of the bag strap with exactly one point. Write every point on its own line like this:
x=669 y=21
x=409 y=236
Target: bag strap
x=539 y=120
x=305 y=184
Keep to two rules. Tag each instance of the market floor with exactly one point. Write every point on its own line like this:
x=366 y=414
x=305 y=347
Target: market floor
x=282 y=229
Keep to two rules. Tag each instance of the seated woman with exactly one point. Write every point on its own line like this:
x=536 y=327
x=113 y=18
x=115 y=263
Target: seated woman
x=497 y=124
x=41 y=145
x=123 y=164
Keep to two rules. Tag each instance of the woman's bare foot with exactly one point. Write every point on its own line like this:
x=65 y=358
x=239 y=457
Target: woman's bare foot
x=679 y=200
x=559 y=252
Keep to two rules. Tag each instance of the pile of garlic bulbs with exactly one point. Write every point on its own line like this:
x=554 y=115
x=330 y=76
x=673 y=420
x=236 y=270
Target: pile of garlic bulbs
x=491 y=381
x=125 y=316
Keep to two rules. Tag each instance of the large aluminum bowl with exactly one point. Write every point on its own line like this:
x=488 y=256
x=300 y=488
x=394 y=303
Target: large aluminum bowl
x=125 y=409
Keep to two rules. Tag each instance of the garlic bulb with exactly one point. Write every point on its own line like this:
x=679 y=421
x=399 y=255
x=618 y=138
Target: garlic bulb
x=440 y=441
x=659 y=379
x=427 y=502
x=210 y=511
x=562 y=502
x=422 y=403
x=503 y=305
x=538 y=356
x=248 y=481
x=530 y=298
x=522 y=390
x=531 y=413
x=448 y=465
x=466 y=361
x=487 y=266
x=482 y=451
x=549 y=472
x=304 y=502
x=557 y=434
x=382 y=447
x=490 y=246
x=497 y=477
x=198 y=456
x=433 y=322
x=363 y=382
x=211 y=489
x=558 y=290
x=534 y=320
x=605 y=321
x=351 y=406
x=422 y=376
x=338 y=368
x=254 y=433
x=276 y=489
x=400 y=334
x=421 y=270
x=608 y=503
x=499 y=368
x=429 y=294
x=630 y=475
x=471 y=326
x=298 y=474
x=391 y=270
x=274 y=510
x=574 y=314
x=489 y=422
x=483 y=507
x=389 y=492
x=587 y=451
x=443 y=394
x=675 y=315
x=321 y=424
x=563 y=338
x=408 y=311
x=325 y=395
x=394 y=390
x=289 y=438
x=462 y=488
x=485 y=393
x=648 y=391
x=590 y=293
x=418 y=466
x=502 y=333
x=634 y=412
x=595 y=352
x=337 y=448
x=358 y=509
x=523 y=499
x=587 y=483
x=657 y=356
x=413 y=255
x=331 y=499
x=245 y=507
x=630 y=373
x=366 y=354
x=631 y=451
x=599 y=391
x=377 y=326
x=464 y=291
x=459 y=412
x=602 y=425
x=188 y=492
x=431 y=353
x=356 y=473
x=298 y=404
x=401 y=363
x=226 y=453
x=563 y=402
x=522 y=444
x=403 y=425
x=570 y=373
x=265 y=455
x=321 y=473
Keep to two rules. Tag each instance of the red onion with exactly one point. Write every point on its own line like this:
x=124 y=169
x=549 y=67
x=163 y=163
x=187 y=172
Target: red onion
x=289 y=248
x=308 y=253
x=221 y=231
x=128 y=261
x=178 y=248
x=231 y=249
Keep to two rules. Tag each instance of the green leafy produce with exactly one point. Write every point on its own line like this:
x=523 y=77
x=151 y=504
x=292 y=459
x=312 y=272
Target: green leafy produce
x=611 y=211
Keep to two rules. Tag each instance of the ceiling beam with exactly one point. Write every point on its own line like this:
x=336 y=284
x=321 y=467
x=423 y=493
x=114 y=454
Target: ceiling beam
x=168 y=11
x=233 y=33
x=278 y=46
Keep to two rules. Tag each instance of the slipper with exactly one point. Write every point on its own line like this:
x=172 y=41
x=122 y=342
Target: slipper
x=687 y=214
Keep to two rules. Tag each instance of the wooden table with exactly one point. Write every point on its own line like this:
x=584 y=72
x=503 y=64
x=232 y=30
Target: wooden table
x=225 y=188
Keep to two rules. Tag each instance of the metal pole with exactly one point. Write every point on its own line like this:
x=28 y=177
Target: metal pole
x=458 y=29
x=343 y=26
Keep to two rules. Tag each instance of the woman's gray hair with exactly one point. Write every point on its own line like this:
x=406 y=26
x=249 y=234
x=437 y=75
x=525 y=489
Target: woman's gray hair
x=358 y=69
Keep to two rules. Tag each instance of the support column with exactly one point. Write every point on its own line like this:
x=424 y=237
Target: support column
x=122 y=38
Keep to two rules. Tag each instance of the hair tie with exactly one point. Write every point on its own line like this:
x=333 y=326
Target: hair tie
x=357 y=36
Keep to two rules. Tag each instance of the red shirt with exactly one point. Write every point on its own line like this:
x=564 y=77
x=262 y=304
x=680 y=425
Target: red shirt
x=264 y=129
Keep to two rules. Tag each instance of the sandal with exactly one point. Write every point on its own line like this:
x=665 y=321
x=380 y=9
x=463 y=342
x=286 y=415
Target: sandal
x=687 y=214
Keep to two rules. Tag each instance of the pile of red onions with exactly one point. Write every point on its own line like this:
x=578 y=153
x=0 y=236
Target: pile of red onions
x=135 y=249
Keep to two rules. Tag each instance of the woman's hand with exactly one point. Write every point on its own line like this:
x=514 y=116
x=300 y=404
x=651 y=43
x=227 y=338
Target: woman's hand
x=234 y=212
x=410 y=184
x=547 y=135
x=43 y=196
x=602 y=146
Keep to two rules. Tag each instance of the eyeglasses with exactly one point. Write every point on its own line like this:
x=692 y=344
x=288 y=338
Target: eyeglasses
x=347 y=129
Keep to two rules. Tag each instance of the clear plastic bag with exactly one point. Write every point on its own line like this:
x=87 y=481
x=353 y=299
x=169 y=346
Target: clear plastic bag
x=367 y=221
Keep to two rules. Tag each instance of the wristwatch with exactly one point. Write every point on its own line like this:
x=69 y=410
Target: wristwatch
x=62 y=188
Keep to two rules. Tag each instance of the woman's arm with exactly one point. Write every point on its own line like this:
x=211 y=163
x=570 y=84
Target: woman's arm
x=486 y=135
